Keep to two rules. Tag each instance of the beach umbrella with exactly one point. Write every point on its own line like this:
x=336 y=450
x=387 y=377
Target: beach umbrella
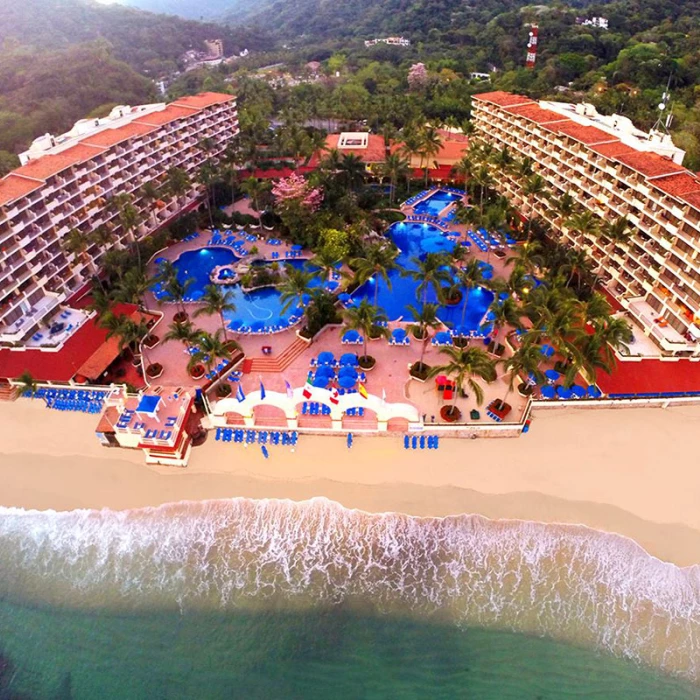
x=296 y=247
x=563 y=392
x=257 y=326
x=325 y=371
x=461 y=330
x=347 y=371
x=578 y=391
x=332 y=285
x=321 y=382
x=552 y=375
x=548 y=392
x=547 y=350
x=466 y=244
x=348 y=359
x=398 y=334
x=443 y=338
x=594 y=392
x=326 y=358
x=235 y=324
x=347 y=382
x=344 y=296
x=351 y=336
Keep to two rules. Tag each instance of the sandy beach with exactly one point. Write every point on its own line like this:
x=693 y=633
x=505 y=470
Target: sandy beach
x=628 y=471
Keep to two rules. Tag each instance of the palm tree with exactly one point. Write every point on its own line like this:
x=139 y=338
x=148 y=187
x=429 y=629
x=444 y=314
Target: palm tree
x=129 y=332
x=76 y=242
x=482 y=181
x=577 y=264
x=395 y=167
x=503 y=159
x=368 y=320
x=26 y=385
x=425 y=318
x=326 y=262
x=216 y=301
x=528 y=255
x=210 y=347
x=131 y=287
x=255 y=189
x=470 y=277
x=207 y=176
x=463 y=167
x=526 y=360
x=584 y=223
x=430 y=145
x=177 y=183
x=432 y=271
x=598 y=349
x=565 y=206
x=596 y=311
x=175 y=291
x=296 y=285
x=506 y=313
x=150 y=194
x=352 y=170
x=377 y=262
x=534 y=186
x=618 y=232
x=183 y=332
x=465 y=364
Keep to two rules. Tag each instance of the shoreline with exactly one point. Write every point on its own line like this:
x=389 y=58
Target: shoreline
x=51 y=461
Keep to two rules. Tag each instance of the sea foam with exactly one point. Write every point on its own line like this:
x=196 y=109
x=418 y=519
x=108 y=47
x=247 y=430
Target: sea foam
x=568 y=582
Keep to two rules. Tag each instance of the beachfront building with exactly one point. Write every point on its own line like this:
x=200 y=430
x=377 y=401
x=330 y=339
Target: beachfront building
x=157 y=423
x=68 y=183
x=613 y=170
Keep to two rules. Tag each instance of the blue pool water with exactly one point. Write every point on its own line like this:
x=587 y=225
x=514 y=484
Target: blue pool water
x=262 y=306
x=436 y=203
x=414 y=240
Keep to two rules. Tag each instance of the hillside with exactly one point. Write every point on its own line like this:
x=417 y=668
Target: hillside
x=145 y=41
x=189 y=9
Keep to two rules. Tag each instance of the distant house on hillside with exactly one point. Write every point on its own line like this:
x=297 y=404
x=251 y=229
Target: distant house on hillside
x=391 y=40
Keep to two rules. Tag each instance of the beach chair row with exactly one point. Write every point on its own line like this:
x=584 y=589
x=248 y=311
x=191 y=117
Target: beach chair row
x=191 y=237
x=79 y=405
x=46 y=392
x=416 y=197
x=262 y=437
x=432 y=442
x=313 y=408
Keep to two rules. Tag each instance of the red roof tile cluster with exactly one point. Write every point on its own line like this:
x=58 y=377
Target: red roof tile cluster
x=693 y=199
x=45 y=166
x=610 y=150
x=374 y=153
x=650 y=164
x=203 y=100
x=535 y=113
x=111 y=137
x=13 y=187
x=503 y=99
x=165 y=116
x=678 y=185
x=585 y=134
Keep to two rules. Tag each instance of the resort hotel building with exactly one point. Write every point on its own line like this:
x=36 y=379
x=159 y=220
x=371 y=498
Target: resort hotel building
x=614 y=170
x=66 y=183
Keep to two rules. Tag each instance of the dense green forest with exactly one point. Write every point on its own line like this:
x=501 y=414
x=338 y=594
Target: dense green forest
x=191 y=9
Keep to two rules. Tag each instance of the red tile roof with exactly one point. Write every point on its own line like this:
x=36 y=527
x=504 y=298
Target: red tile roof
x=165 y=116
x=62 y=365
x=535 y=113
x=13 y=187
x=610 y=150
x=588 y=135
x=677 y=185
x=110 y=137
x=503 y=99
x=204 y=99
x=45 y=166
x=650 y=164
x=693 y=199
x=374 y=153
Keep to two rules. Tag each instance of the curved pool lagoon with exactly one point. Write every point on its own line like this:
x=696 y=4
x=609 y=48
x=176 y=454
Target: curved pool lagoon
x=416 y=240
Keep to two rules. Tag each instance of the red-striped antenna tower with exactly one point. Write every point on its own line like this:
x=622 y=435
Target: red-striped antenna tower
x=531 y=55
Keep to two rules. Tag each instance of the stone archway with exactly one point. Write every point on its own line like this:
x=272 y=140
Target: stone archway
x=266 y=414
x=360 y=418
x=313 y=414
x=397 y=425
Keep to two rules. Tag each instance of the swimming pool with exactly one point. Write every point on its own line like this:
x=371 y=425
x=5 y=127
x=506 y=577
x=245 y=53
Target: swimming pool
x=415 y=240
x=437 y=201
x=258 y=309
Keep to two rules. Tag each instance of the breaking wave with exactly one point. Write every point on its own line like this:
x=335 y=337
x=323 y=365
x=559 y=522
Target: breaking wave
x=568 y=582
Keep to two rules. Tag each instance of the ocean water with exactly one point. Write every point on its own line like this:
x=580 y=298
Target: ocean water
x=275 y=599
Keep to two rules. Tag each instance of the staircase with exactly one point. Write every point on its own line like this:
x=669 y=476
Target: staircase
x=7 y=392
x=279 y=363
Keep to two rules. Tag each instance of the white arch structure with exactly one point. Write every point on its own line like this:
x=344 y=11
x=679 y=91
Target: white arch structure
x=385 y=411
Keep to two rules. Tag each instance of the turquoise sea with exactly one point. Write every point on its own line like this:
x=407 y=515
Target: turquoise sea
x=274 y=599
